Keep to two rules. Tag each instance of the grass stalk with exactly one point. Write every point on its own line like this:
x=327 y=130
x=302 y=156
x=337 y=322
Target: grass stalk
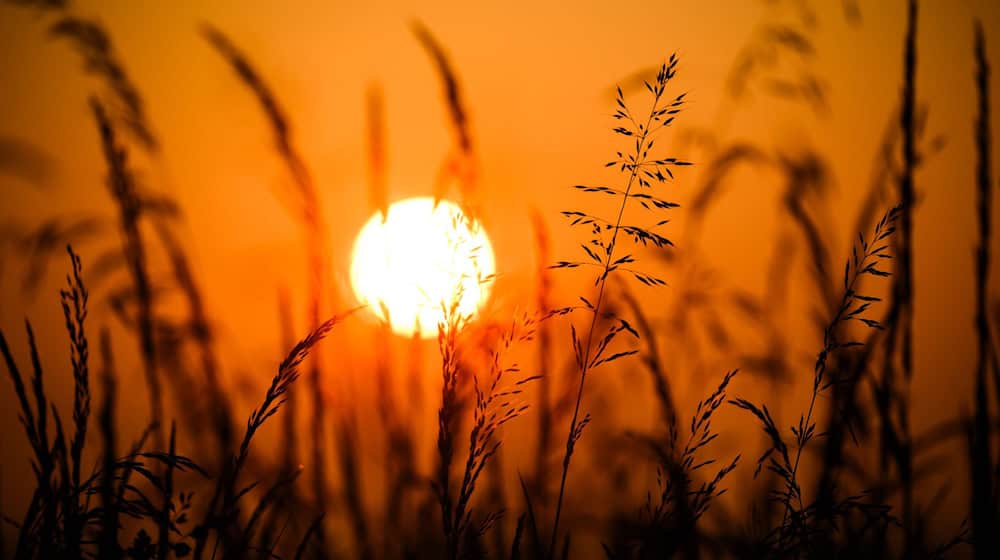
x=637 y=169
x=983 y=507
x=305 y=207
x=108 y=532
x=123 y=192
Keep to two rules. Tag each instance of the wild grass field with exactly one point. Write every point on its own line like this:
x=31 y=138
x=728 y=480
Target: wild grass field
x=700 y=344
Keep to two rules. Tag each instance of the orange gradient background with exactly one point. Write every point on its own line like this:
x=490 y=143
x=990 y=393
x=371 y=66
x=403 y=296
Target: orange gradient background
x=537 y=79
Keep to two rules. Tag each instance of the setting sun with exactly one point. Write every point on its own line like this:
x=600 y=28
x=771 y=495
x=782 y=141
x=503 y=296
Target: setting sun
x=418 y=259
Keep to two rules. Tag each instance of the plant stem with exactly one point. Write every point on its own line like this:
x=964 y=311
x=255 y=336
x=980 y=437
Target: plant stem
x=585 y=366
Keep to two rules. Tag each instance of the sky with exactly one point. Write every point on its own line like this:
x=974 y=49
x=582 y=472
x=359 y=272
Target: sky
x=537 y=78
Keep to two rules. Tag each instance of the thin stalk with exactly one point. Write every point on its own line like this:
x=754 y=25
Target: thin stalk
x=108 y=532
x=121 y=185
x=983 y=511
x=545 y=409
x=904 y=285
x=829 y=344
x=585 y=366
x=163 y=543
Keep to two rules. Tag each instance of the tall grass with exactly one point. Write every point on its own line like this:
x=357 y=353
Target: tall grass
x=796 y=530
x=641 y=173
x=460 y=162
x=496 y=400
x=123 y=191
x=305 y=205
x=652 y=493
x=221 y=514
x=984 y=497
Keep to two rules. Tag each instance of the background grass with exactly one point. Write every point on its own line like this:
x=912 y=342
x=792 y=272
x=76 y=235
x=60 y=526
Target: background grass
x=367 y=458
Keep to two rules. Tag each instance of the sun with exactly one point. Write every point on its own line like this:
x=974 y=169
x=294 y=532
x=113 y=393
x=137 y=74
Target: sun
x=421 y=257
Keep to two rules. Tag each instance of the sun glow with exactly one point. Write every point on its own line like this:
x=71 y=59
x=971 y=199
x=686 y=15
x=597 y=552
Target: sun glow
x=418 y=260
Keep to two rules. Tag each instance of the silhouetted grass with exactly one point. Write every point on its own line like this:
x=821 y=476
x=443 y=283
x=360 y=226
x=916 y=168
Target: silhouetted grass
x=460 y=163
x=641 y=172
x=546 y=364
x=100 y=58
x=27 y=162
x=378 y=193
x=305 y=206
x=107 y=542
x=815 y=494
x=892 y=396
x=222 y=513
x=984 y=498
x=126 y=197
x=782 y=458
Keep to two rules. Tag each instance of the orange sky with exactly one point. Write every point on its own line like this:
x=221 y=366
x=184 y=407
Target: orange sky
x=536 y=77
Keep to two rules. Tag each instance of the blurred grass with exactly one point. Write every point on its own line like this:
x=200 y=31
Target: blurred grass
x=640 y=494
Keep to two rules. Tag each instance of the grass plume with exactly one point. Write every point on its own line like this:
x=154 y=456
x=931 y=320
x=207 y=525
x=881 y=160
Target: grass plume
x=459 y=164
x=984 y=499
x=306 y=207
x=641 y=173
x=101 y=59
x=123 y=191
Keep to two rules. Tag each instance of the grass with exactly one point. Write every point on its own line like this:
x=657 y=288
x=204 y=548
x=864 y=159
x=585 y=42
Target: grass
x=844 y=480
x=641 y=173
x=984 y=514
x=303 y=203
